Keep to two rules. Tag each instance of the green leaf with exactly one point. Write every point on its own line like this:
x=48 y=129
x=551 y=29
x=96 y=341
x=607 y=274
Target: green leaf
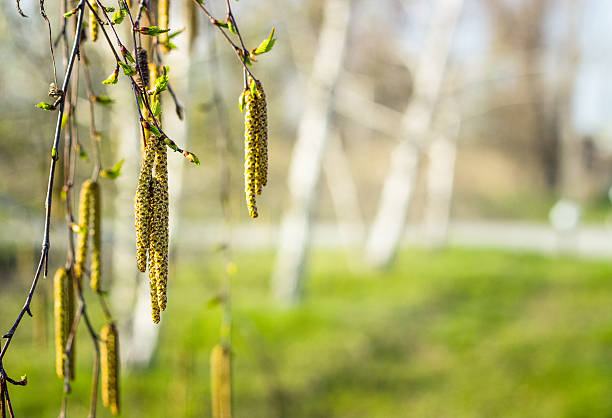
x=173 y=34
x=70 y=13
x=152 y=30
x=153 y=129
x=221 y=24
x=118 y=17
x=45 y=106
x=161 y=82
x=214 y=302
x=109 y=9
x=266 y=45
x=171 y=46
x=155 y=106
x=241 y=101
x=104 y=100
x=170 y=143
x=129 y=57
x=231 y=27
x=191 y=157
x=112 y=79
x=114 y=172
x=128 y=70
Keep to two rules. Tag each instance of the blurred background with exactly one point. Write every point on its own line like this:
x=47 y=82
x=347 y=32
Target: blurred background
x=434 y=239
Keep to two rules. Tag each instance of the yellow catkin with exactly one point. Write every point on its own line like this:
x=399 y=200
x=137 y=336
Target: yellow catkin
x=154 y=241
x=256 y=144
x=251 y=152
x=96 y=236
x=163 y=9
x=61 y=319
x=262 y=115
x=71 y=314
x=142 y=206
x=109 y=365
x=220 y=382
x=83 y=235
x=160 y=213
x=93 y=21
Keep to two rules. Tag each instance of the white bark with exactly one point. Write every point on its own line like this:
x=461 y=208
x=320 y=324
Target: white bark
x=440 y=178
x=343 y=191
x=388 y=226
x=308 y=152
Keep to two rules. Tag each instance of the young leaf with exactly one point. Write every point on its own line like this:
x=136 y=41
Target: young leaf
x=70 y=13
x=127 y=69
x=118 y=17
x=173 y=34
x=114 y=172
x=191 y=157
x=104 y=100
x=112 y=79
x=45 y=106
x=152 y=30
x=155 y=106
x=153 y=129
x=231 y=27
x=161 y=82
x=109 y=9
x=266 y=45
x=241 y=101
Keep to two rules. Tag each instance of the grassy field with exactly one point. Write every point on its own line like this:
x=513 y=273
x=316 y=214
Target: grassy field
x=456 y=333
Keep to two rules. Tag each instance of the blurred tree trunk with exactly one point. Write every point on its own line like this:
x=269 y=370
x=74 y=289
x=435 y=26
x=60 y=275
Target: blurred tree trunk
x=388 y=226
x=308 y=152
x=440 y=176
x=343 y=191
x=570 y=169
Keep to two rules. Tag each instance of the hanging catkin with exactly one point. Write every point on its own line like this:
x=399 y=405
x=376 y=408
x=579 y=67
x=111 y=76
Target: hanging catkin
x=160 y=214
x=255 y=145
x=163 y=11
x=109 y=362
x=96 y=236
x=262 y=158
x=82 y=237
x=93 y=21
x=143 y=67
x=61 y=318
x=71 y=314
x=220 y=382
x=142 y=206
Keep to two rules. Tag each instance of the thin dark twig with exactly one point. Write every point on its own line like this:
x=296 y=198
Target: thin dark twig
x=42 y=264
x=240 y=52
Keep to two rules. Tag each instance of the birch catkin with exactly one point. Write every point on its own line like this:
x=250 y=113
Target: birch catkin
x=82 y=237
x=255 y=145
x=96 y=235
x=109 y=362
x=160 y=214
x=93 y=21
x=71 y=314
x=220 y=382
x=142 y=206
x=61 y=319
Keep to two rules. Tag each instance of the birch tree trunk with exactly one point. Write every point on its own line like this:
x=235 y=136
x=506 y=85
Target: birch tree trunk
x=343 y=191
x=388 y=227
x=440 y=178
x=308 y=152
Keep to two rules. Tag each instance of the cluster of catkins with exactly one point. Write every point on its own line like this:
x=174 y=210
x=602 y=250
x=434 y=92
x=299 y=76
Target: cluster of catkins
x=255 y=144
x=151 y=213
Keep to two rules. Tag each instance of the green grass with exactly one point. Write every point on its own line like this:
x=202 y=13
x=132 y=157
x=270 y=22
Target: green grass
x=456 y=333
